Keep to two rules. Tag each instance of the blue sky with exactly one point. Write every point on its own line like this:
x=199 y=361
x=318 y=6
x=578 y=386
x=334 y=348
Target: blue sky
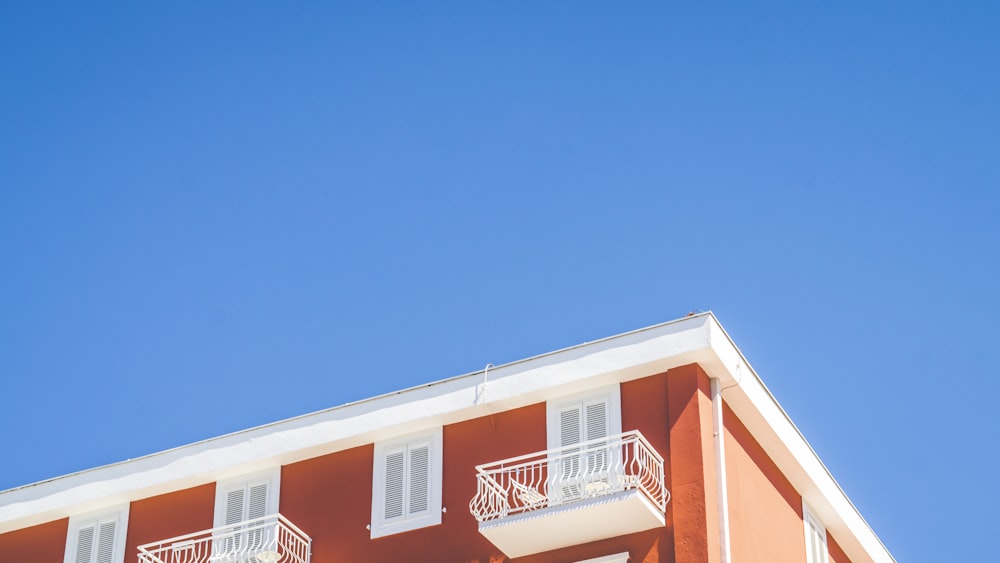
x=217 y=215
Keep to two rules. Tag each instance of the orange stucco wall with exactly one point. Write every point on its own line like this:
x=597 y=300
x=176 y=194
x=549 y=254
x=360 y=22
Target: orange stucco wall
x=765 y=511
x=169 y=515
x=44 y=543
x=330 y=498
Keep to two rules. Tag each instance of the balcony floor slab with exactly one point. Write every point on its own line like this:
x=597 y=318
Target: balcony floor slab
x=573 y=523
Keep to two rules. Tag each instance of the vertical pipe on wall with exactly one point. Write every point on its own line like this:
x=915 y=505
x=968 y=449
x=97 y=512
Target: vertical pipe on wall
x=720 y=470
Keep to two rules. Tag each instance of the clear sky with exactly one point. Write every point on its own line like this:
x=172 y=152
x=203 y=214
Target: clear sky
x=215 y=215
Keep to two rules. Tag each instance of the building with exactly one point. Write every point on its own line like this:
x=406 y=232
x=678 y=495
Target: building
x=660 y=444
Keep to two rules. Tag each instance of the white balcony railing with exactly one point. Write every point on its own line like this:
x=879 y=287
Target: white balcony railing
x=575 y=473
x=270 y=539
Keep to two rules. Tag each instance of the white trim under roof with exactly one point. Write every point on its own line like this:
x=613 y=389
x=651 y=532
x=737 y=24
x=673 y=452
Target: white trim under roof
x=696 y=339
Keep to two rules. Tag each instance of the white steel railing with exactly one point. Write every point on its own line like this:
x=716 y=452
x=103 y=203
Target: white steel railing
x=587 y=470
x=269 y=539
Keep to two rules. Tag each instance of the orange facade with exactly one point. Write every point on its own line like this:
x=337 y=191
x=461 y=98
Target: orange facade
x=765 y=511
x=44 y=543
x=167 y=516
x=329 y=497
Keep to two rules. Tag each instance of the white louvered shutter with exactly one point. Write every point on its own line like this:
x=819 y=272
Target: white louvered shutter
x=596 y=420
x=106 y=542
x=596 y=426
x=257 y=504
x=570 y=429
x=578 y=423
x=570 y=433
x=406 y=490
x=234 y=506
x=407 y=481
x=245 y=502
x=419 y=479
x=233 y=515
x=395 y=479
x=583 y=422
x=85 y=544
x=257 y=508
x=95 y=543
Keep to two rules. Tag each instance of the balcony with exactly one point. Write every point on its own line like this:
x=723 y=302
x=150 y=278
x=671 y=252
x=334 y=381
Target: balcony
x=571 y=495
x=270 y=539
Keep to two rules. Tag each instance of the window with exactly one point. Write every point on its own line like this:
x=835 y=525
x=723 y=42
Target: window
x=406 y=483
x=583 y=417
x=247 y=497
x=576 y=472
x=97 y=537
x=816 y=551
x=242 y=499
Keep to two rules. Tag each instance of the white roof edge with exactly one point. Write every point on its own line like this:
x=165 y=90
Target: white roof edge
x=771 y=426
x=693 y=339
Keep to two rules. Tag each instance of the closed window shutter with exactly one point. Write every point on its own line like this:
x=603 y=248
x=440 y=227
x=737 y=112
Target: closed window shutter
x=95 y=543
x=245 y=502
x=596 y=415
x=395 y=470
x=420 y=482
x=597 y=420
x=85 y=544
x=234 y=515
x=407 y=481
x=234 y=506
x=578 y=423
x=406 y=486
x=570 y=430
x=106 y=542
x=257 y=507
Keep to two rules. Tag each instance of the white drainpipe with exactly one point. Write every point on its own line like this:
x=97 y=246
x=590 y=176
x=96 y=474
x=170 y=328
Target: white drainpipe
x=720 y=469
